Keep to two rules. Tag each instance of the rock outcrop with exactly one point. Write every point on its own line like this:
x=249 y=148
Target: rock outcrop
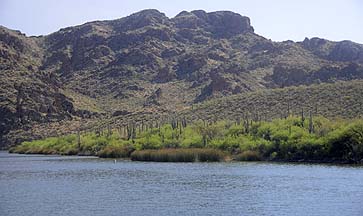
x=221 y=24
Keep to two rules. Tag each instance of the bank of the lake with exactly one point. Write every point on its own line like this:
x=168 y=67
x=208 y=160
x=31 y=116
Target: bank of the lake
x=297 y=139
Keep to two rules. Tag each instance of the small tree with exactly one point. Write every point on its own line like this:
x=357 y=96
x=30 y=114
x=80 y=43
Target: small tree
x=302 y=117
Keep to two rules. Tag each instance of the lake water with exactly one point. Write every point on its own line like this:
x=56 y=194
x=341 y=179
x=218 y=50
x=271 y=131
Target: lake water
x=55 y=185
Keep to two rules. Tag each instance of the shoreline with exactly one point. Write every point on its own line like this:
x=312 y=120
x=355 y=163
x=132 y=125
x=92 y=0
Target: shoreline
x=229 y=160
x=291 y=139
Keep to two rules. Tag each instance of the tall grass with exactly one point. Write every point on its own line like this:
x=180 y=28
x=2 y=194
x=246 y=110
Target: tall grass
x=178 y=155
x=115 y=152
x=249 y=156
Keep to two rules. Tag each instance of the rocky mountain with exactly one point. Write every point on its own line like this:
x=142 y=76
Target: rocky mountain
x=147 y=63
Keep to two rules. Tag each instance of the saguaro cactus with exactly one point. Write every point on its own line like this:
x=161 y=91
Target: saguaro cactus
x=133 y=131
x=109 y=131
x=128 y=131
x=173 y=124
x=238 y=121
x=288 y=110
x=78 y=139
x=246 y=125
x=311 y=124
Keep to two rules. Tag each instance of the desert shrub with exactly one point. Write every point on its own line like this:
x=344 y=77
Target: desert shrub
x=191 y=138
x=228 y=143
x=235 y=130
x=149 y=141
x=91 y=144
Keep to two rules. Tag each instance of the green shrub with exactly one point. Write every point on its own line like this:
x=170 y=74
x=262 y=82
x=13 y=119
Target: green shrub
x=347 y=143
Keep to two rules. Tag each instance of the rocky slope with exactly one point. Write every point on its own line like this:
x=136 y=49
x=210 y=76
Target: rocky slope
x=147 y=63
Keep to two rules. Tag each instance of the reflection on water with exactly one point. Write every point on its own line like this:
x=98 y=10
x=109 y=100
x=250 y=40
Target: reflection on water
x=53 y=185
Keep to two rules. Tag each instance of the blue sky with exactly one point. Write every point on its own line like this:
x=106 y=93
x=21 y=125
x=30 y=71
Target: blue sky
x=275 y=19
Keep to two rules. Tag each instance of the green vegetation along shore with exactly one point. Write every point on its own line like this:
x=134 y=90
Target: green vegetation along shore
x=294 y=138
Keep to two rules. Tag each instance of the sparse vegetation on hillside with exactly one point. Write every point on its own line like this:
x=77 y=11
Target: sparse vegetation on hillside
x=331 y=100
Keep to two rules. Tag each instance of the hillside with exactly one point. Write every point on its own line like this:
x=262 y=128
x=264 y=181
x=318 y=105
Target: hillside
x=331 y=100
x=147 y=65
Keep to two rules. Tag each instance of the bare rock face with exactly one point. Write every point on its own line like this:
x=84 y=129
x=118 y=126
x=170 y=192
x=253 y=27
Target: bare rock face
x=218 y=85
x=222 y=24
x=166 y=74
x=41 y=103
x=347 y=51
x=350 y=71
x=227 y=24
x=121 y=113
x=190 y=64
x=335 y=51
x=14 y=39
x=314 y=43
x=136 y=57
x=154 y=98
x=285 y=75
x=8 y=120
x=149 y=17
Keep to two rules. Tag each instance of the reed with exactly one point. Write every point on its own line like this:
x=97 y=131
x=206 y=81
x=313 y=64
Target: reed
x=248 y=156
x=115 y=152
x=178 y=155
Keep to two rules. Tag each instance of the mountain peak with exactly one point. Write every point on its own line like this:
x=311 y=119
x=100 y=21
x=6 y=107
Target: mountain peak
x=148 y=17
x=219 y=23
x=149 y=12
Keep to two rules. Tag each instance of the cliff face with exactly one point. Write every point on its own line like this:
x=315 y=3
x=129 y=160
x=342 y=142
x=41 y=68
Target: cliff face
x=122 y=65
